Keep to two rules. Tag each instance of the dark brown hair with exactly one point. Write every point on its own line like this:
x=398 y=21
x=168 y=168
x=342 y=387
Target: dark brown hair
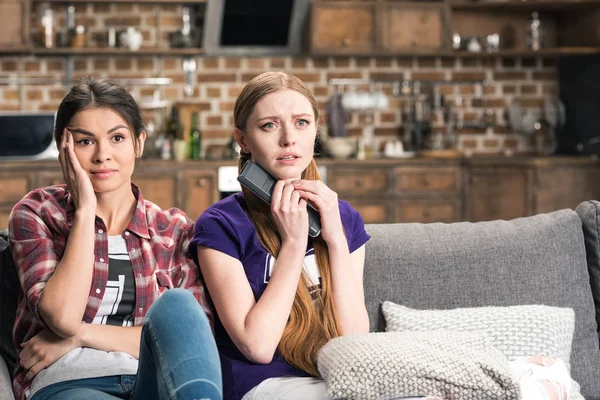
x=89 y=93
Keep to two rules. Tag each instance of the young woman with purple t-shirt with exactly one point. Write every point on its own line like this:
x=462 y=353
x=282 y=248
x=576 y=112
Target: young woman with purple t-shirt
x=279 y=294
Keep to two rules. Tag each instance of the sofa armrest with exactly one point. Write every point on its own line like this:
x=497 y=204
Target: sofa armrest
x=5 y=383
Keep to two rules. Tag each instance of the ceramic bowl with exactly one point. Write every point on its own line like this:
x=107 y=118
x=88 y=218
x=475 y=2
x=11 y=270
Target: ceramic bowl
x=340 y=147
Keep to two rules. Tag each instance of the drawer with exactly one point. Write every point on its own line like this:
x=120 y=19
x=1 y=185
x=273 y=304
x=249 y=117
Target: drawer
x=427 y=212
x=373 y=213
x=427 y=179
x=358 y=182
x=13 y=189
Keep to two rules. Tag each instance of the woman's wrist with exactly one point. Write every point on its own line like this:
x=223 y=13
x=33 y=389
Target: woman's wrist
x=338 y=242
x=294 y=246
x=85 y=212
x=80 y=339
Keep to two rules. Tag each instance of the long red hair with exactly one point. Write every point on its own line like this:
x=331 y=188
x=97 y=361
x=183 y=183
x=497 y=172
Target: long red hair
x=312 y=323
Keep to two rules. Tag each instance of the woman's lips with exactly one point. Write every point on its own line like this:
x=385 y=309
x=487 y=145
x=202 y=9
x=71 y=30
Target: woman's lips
x=103 y=174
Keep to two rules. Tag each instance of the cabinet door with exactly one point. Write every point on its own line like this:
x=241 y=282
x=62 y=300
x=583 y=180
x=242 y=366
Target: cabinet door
x=577 y=184
x=498 y=193
x=161 y=190
x=11 y=23
x=409 y=26
x=200 y=192
x=342 y=28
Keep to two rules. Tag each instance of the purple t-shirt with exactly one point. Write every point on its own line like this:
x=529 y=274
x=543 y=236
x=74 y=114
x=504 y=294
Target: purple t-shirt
x=225 y=227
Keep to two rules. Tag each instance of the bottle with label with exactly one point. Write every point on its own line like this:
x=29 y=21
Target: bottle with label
x=195 y=139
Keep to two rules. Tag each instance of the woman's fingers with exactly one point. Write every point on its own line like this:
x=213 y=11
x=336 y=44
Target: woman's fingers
x=276 y=194
x=74 y=161
x=35 y=369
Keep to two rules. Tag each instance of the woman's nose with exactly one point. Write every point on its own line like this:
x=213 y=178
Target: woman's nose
x=102 y=153
x=288 y=137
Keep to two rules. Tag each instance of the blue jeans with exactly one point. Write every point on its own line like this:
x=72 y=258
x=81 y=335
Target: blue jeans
x=178 y=359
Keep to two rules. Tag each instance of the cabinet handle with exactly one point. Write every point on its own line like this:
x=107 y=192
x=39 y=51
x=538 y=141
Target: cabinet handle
x=426 y=214
x=358 y=183
x=346 y=42
x=201 y=182
x=426 y=182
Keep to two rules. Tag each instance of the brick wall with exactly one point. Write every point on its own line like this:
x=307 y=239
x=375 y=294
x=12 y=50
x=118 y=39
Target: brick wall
x=219 y=80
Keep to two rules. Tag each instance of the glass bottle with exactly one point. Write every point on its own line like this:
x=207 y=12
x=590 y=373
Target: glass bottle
x=535 y=32
x=195 y=139
x=47 y=26
x=173 y=127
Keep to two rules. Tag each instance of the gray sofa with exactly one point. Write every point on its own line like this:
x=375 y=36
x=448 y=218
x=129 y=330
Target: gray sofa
x=550 y=259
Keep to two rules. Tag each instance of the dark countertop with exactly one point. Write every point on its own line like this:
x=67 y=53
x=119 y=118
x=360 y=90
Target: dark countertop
x=478 y=160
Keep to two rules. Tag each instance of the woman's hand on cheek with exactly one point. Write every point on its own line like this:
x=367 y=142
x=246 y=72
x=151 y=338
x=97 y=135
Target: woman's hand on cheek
x=289 y=213
x=325 y=200
x=77 y=180
x=43 y=350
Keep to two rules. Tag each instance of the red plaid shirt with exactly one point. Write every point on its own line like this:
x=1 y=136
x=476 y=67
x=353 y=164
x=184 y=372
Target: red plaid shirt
x=157 y=242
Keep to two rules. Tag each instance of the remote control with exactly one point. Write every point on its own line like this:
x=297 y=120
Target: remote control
x=261 y=183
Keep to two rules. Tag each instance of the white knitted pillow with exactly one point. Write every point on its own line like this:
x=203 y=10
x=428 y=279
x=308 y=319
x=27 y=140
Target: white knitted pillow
x=517 y=331
x=384 y=365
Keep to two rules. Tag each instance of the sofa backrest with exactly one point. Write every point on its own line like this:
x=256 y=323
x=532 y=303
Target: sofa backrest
x=9 y=294
x=589 y=212
x=533 y=260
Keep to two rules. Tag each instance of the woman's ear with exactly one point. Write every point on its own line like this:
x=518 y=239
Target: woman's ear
x=240 y=138
x=140 y=144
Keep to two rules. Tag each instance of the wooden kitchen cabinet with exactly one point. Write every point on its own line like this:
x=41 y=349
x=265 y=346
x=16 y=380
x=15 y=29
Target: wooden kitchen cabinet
x=343 y=28
x=367 y=28
x=428 y=210
x=366 y=188
x=13 y=186
x=4 y=214
x=428 y=193
x=383 y=191
x=199 y=191
x=565 y=187
x=161 y=190
x=498 y=193
x=413 y=27
x=12 y=22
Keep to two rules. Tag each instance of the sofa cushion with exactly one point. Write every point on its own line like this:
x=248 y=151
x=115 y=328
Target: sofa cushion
x=589 y=212
x=534 y=260
x=9 y=294
x=458 y=365
x=517 y=331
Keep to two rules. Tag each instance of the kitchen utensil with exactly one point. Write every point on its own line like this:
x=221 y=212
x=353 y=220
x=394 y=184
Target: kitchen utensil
x=131 y=38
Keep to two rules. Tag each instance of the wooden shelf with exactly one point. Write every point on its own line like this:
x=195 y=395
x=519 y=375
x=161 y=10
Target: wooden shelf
x=124 y=1
x=19 y=50
x=101 y=51
x=550 y=52
x=541 y=5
